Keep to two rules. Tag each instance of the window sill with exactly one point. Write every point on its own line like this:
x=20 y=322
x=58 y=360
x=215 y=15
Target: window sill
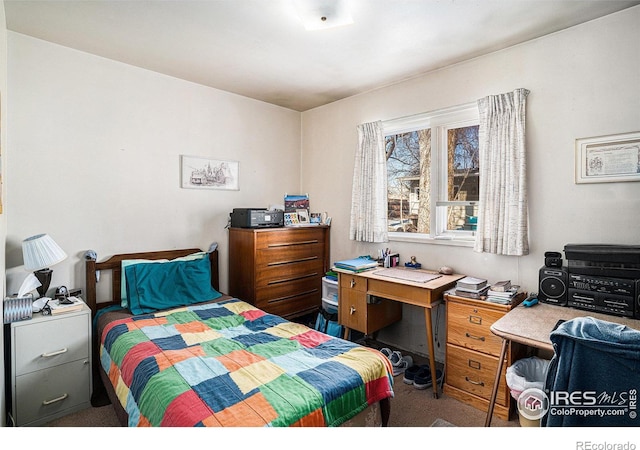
x=421 y=239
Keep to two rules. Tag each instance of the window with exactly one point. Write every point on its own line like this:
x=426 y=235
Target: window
x=433 y=173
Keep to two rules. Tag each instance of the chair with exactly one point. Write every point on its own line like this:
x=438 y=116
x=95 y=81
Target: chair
x=594 y=375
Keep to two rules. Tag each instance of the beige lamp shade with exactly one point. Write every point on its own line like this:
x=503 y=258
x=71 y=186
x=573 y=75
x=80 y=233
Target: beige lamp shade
x=40 y=252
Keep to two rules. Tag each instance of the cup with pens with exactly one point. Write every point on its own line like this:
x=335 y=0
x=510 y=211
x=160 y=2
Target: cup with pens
x=388 y=259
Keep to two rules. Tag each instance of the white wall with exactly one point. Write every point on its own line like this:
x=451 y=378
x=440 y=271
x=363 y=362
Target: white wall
x=94 y=157
x=3 y=151
x=584 y=82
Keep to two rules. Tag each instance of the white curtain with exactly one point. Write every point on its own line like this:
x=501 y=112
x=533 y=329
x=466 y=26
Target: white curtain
x=503 y=215
x=369 y=191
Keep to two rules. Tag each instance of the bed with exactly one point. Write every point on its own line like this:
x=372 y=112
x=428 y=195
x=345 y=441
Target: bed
x=170 y=350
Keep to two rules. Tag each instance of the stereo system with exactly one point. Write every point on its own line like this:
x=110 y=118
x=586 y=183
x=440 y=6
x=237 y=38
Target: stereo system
x=600 y=278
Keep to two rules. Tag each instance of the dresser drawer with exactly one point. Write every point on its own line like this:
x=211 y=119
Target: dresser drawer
x=282 y=304
x=475 y=373
x=51 y=391
x=283 y=269
x=469 y=326
x=51 y=343
x=287 y=237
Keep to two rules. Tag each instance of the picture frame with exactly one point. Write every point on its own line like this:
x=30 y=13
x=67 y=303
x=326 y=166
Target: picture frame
x=608 y=159
x=291 y=219
x=205 y=173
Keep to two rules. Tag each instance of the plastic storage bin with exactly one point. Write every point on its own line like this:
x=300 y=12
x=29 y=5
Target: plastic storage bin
x=327 y=320
x=330 y=290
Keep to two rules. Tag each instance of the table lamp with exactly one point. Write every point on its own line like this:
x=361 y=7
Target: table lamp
x=39 y=252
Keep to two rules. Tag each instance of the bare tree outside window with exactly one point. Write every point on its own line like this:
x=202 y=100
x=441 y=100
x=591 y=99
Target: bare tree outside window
x=433 y=173
x=408 y=162
x=463 y=176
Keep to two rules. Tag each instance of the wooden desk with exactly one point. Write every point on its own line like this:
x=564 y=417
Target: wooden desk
x=532 y=327
x=370 y=301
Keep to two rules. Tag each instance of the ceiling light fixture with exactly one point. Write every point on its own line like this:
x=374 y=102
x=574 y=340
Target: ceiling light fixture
x=323 y=14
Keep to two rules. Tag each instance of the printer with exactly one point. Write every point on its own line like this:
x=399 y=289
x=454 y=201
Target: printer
x=256 y=218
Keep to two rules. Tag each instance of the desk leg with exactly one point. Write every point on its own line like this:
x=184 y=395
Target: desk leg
x=432 y=354
x=496 y=383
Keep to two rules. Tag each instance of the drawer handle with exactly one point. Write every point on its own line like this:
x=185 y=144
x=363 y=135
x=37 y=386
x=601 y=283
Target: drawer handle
x=292 y=261
x=474 y=364
x=477 y=383
x=352 y=310
x=59 y=352
x=291 y=244
x=471 y=336
x=296 y=278
x=55 y=400
x=353 y=283
x=475 y=320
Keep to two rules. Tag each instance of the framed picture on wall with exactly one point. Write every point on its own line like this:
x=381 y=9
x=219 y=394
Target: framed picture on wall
x=204 y=173
x=608 y=159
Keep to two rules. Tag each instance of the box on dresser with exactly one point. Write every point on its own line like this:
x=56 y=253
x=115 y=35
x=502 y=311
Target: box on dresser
x=279 y=270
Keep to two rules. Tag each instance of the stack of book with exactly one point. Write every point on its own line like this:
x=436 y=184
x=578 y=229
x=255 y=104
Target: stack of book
x=502 y=292
x=356 y=264
x=58 y=307
x=471 y=287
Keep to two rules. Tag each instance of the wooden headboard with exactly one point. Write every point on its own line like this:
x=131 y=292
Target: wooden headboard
x=114 y=264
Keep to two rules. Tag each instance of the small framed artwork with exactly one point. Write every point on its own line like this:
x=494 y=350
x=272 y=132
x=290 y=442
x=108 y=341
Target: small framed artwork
x=303 y=215
x=204 y=173
x=608 y=159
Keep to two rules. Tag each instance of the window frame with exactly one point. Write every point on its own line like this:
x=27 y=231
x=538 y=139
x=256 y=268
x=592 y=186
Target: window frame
x=439 y=121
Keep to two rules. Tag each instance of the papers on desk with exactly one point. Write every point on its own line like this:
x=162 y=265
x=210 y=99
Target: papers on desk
x=356 y=264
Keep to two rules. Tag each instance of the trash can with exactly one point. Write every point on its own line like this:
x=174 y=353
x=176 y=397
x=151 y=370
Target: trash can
x=524 y=374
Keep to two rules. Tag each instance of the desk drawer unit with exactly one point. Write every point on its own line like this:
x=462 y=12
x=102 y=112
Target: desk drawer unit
x=472 y=354
x=50 y=366
x=474 y=372
x=469 y=326
x=358 y=311
x=279 y=270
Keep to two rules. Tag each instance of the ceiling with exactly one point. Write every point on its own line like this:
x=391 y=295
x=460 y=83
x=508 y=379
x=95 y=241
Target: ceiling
x=259 y=48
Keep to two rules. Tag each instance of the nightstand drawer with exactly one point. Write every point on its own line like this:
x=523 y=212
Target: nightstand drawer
x=50 y=343
x=469 y=326
x=474 y=372
x=52 y=391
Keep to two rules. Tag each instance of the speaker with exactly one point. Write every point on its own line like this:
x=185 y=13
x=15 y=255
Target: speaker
x=553 y=285
x=553 y=259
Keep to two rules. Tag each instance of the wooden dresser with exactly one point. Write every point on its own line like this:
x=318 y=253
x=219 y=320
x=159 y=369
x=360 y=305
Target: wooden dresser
x=472 y=354
x=279 y=270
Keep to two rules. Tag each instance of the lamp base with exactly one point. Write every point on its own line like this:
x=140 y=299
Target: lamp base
x=44 y=277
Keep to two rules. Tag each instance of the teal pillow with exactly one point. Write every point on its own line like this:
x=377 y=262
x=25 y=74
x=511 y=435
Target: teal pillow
x=164 y=285
x=128 y=262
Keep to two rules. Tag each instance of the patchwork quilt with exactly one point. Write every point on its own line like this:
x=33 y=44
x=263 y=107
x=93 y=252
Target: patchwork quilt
x=231 y=364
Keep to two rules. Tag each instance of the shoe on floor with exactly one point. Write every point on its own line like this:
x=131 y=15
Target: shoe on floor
x=422 y=379
x=386 y=352
x=395 y=358
x=403 y=365
x=411 y=372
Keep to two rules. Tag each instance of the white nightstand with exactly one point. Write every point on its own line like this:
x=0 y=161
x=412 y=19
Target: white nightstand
x=50 y=360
